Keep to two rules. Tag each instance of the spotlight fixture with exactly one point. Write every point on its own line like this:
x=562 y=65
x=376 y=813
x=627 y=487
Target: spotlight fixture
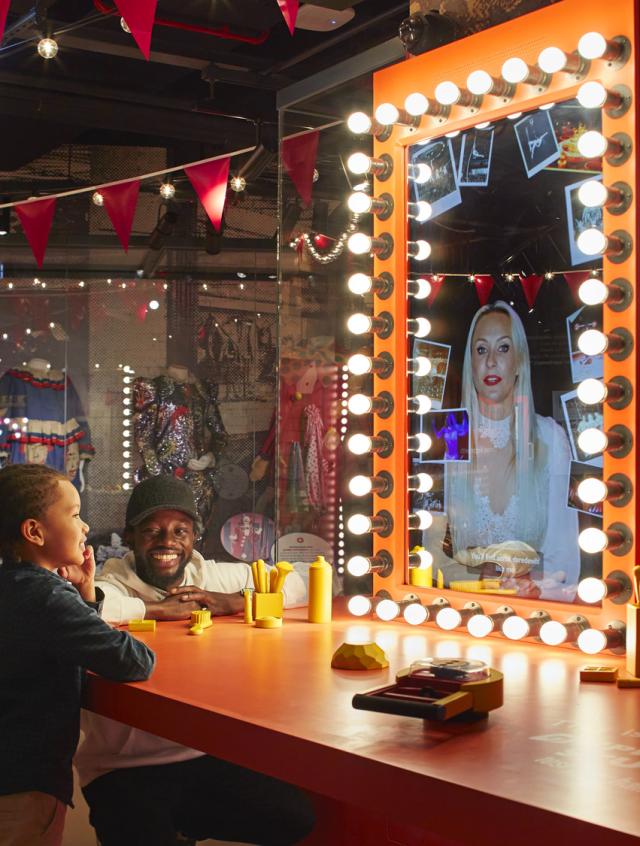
x=47 y=48
x=420 y=33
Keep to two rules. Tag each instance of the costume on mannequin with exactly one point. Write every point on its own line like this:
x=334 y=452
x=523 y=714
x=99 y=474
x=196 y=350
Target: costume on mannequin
x=42 y=420
x=178 y=429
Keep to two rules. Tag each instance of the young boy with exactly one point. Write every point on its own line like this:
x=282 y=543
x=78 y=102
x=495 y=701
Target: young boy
x=50 y=632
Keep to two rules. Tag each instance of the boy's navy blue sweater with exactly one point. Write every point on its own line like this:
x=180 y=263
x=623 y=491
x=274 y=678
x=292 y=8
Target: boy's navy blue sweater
x=48 y=637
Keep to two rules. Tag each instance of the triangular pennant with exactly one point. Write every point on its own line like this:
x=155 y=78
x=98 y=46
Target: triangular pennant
x=210 y=184
x=120 y=202
x=436 y=281
x=575 y=279
x=484 y=286
x=289 y=9
x=299 y=158
x=139 y=16
x=4 y=8
x=36 y=218
x=531 y=287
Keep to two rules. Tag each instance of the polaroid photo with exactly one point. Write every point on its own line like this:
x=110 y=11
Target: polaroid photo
x=570 y=122
x=577 y=473
x=434 y=383
x=577 y=418
x=537 y=141
x=433 y=500
x=449 y=433
x=475 y=158
x=441 y=190
x=583 y=366
x=579 y=218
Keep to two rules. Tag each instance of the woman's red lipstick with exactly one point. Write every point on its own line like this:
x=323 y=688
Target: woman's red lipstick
x=492 y=380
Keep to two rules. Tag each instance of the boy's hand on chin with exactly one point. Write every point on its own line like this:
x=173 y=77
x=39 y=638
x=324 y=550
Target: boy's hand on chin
x=82 y=575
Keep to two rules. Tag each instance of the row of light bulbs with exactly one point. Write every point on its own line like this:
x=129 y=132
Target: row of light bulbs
x=128 y=374
x=504 y=620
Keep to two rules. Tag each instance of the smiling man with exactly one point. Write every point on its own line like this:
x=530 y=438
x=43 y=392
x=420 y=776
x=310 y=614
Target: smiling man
x=144 y=789
x=164 y=577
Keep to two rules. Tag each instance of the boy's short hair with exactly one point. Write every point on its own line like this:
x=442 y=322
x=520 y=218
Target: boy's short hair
x=26 y=491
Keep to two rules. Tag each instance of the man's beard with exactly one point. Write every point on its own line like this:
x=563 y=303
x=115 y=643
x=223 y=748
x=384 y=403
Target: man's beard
x=158 y=580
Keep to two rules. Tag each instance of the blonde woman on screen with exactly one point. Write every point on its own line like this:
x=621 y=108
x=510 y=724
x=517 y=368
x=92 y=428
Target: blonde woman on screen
x=507 y=507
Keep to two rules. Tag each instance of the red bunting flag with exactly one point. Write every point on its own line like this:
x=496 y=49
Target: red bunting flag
x=139 y=16
x=120 y=202
x=289 y=9
x=299 y=158
x=36 y=218
x=574 y=280
x=210 y=183
x=484 y=286
x=436 y=281
x=4 y=8
x=531 y=287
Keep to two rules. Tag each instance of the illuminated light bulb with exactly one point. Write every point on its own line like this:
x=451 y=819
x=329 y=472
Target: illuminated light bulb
x=593 y=292
x=359 y=123
x=420 y=404
x=387 y=610
x=593 y=540
x=592 y=490
x=360 y=404
x=592 y=342
x=415 y=614
x=359 y=324
x=359 y=444
x=419 y=250
x=592 y=641
x=416 y=104
x=515 y=628
x=593 y=194
x=124 y=25
x=592 y=95
x=480 y=625
x=419 y=366
x=126 y=486
x=421 y=483
x=154 y=305
x=359 y=605
x=419 y=289
x=360 y=203
x=592 y=441
x=359 y=524
x=387 y=114
x=421 y=442
x=360 y=283
x=419 y=173
x=593 y=45
x=420 y=559
x=448 y=619
x=592 y=590
x=479 y=82
x=420 y=211
x=514 y=116
x=516 y=70
x=47 y=48
x=167 y=190
x=358 y=565
x=447 y=93
x=420 y=520
x=358 y=163
x=592 y=144
x=98 y=199
x=553 y=633
x=420 y=327
x=592 y=242
x=592 y=391
x=554 y=60
x=359 y=364
x=237 y=184
x=359 y=243
x=360 y=485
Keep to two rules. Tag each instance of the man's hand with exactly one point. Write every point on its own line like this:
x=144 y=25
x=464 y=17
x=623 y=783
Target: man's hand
x=171 y=608
x=219 y=604
x=82 y=575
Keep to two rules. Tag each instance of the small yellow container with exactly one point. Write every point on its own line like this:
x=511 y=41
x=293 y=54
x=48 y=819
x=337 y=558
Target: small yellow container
x=142 y=625
x=320 y=593
x=267 y=605
x=633 y=639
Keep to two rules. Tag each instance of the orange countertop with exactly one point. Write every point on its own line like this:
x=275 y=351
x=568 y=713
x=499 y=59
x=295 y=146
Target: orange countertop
x=559 y=759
